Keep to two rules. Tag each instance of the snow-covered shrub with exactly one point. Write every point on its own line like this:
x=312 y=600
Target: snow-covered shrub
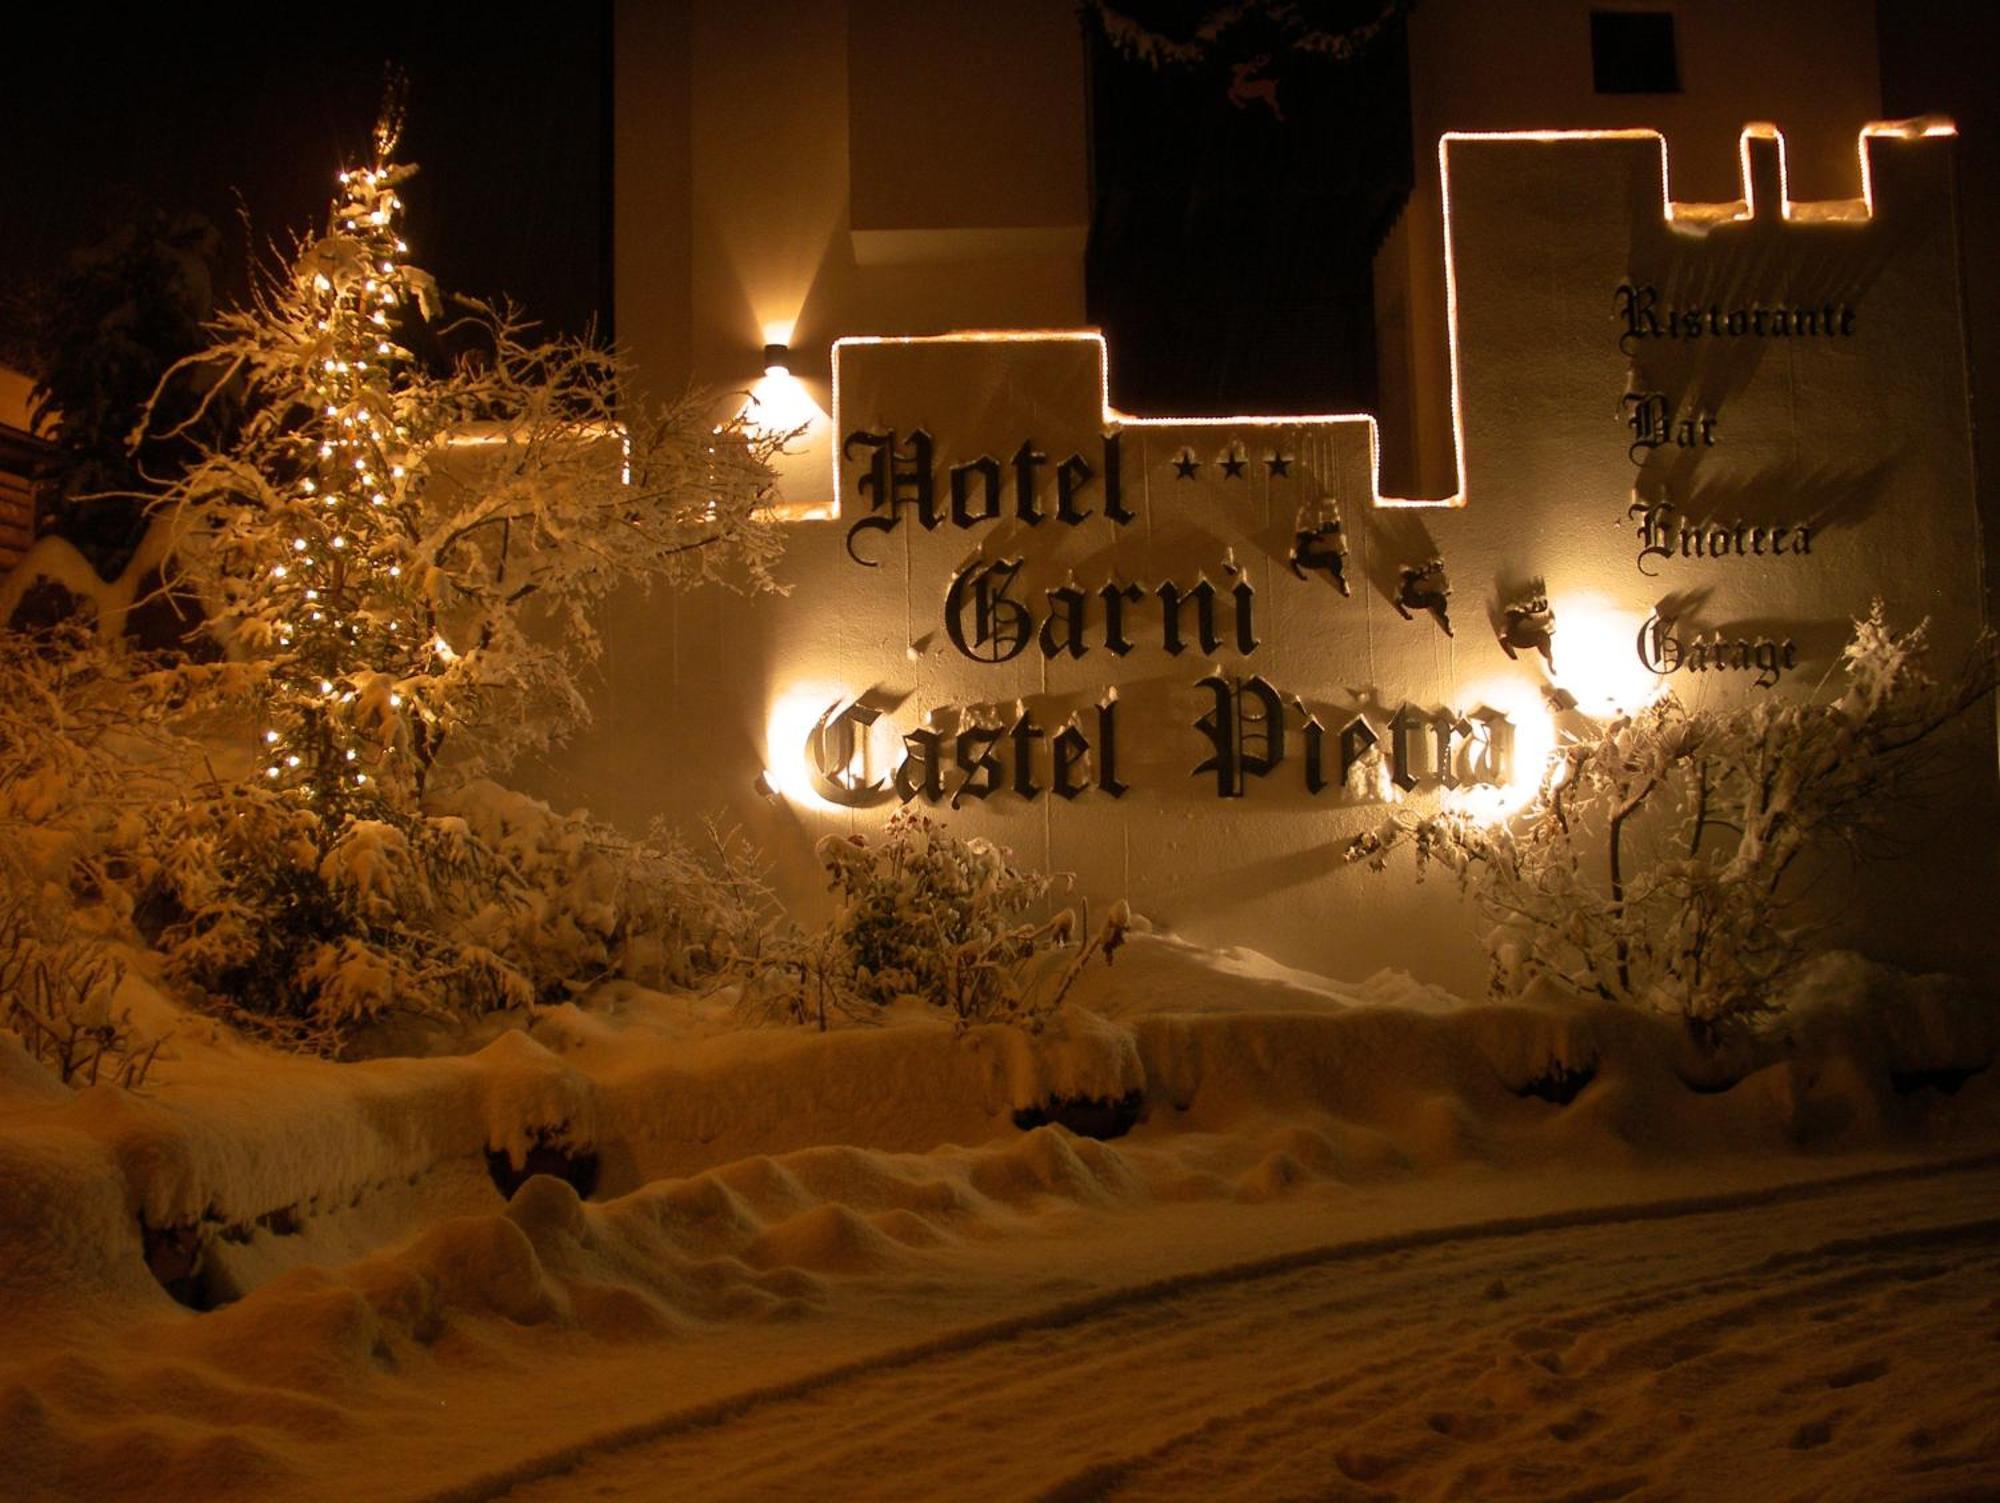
x=296 y=928
x=303 y=938
x=86 y=749
x=492 y=901
x=1660 y=862
x=924 y=914
x=56 y=991
x=694 y=912
x=578 y=902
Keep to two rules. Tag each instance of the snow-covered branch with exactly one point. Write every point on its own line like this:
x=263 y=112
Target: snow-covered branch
x=1657 y=863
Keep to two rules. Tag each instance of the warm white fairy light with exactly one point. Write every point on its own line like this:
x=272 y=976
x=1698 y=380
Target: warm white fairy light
x=331 y=614
x=369 y=577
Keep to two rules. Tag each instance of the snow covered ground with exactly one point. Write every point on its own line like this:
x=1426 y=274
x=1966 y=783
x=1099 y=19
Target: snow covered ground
x=1767 y=1344
x=1362 y=1242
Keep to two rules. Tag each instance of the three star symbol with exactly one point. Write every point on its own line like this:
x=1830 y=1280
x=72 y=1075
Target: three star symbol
x=1234 y=461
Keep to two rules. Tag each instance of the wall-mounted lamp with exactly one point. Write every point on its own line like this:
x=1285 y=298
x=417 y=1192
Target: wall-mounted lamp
x=779 y=405
x=1599 y=673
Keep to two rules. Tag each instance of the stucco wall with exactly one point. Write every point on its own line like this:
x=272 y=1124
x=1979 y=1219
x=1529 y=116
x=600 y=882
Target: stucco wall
x=1855 y=429
x=799 y=170
x=1809 y=66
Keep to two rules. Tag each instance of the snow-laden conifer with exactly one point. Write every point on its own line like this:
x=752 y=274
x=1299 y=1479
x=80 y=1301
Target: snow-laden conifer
x=400 y=558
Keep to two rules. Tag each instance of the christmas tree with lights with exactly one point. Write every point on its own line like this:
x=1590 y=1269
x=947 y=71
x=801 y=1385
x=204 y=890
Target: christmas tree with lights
x=411 y=554
x=338 y=600
x=395 y=557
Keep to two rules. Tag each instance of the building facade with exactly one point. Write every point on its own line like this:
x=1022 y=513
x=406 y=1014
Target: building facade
x=1672 y=356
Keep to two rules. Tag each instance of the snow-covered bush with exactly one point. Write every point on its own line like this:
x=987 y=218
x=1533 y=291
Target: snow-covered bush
x=303 y=939
x=1660 y=862
x=576 y=902
x=56 y=996
x=71 y=780
x=924 y=914
x=112 y=814
x=86 y=749
x=492 y=901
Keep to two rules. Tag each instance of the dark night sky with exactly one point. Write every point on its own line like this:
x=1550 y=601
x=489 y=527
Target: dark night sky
x=189 y=106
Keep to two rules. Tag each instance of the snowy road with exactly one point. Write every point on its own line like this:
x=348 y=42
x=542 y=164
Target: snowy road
x=1840 y=1341
x=1349 y=1252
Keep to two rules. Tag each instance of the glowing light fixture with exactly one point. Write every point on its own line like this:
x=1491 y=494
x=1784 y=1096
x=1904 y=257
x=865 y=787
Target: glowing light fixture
x=1534 y=743
x=797 y=716
x=779 y=405
x=1595 y=663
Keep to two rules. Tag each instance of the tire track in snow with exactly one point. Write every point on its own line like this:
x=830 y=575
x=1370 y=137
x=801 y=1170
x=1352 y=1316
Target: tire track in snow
x=1353 y=1439
x=1001 y=1370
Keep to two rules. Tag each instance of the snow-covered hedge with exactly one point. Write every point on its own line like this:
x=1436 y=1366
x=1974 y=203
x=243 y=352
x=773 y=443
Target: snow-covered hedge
x=922 y=914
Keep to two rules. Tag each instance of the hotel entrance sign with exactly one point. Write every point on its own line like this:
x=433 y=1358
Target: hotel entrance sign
x=1664 y=358
x=1190 y=659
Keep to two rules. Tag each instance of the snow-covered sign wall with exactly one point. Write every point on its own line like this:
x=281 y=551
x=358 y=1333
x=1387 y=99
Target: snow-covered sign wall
x=1188 y=660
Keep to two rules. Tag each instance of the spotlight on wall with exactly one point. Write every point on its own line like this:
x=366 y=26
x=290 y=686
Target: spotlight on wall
x=1599 y=670
x=779 y=404
x=781 y=407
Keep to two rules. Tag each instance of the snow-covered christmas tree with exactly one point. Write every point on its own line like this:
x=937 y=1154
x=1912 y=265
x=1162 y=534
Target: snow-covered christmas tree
x=396 y=556
x=413 y=553
x=340 y=598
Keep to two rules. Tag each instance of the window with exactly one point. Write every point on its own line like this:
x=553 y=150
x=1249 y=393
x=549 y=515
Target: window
x=1632 y=52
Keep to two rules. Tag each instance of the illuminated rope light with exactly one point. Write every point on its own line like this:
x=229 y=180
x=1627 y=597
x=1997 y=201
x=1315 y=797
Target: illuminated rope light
x=1109 y=413
x=789 y=776
x=1919 y=128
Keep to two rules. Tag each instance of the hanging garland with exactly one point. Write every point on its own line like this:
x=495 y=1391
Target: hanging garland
x=1283 y=21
